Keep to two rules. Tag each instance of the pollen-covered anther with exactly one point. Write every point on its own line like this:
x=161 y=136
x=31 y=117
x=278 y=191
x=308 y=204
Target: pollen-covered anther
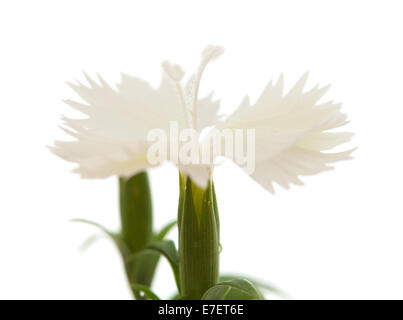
x=174 y=71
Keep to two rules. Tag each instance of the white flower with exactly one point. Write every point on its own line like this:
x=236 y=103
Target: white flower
x=112 y=139
x=291 y=130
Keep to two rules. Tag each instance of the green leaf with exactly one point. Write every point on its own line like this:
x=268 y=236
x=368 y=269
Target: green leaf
x=161 y=235
x=116 y=238
x=140 y=266
x=146 y=290
x=89 y=242
x=258 y=283
x=168 y=250
x=236 y=289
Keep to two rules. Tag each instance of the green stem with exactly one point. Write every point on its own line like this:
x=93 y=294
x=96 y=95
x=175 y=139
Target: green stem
x=198 y=239
x=137 y=229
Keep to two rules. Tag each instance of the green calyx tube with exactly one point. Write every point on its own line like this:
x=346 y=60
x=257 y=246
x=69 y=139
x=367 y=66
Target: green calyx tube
x=199 y=246
x=137 y=230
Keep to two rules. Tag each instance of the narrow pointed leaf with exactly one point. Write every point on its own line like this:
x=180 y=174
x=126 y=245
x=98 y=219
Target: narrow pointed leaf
x=161 y=235
x=168 y=250
x=89 y=242
x=146 y=290
x=116 y=238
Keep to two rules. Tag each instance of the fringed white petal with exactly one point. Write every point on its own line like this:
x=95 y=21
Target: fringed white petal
x=286 y=168
x=208 y=112
x=112 y=138
x=290 y=133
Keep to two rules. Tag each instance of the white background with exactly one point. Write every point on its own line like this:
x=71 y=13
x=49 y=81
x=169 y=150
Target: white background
x=338 y=237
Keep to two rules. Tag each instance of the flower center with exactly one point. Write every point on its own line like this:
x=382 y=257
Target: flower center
x=176 y=74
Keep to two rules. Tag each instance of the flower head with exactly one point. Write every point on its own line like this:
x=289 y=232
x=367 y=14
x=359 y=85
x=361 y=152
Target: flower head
x=291 y=131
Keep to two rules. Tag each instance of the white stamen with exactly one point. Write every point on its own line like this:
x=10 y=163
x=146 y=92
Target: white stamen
x=176 y=73
x=212 y=52
x=209 y=54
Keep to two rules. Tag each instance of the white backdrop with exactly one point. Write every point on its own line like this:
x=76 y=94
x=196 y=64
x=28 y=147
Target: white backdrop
x=340 y=236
